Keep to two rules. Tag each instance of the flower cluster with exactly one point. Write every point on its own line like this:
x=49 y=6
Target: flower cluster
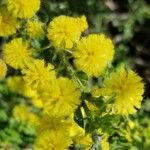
x=74 y=87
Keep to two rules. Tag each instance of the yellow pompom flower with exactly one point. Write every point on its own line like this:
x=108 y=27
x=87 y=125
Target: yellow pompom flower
x=17 y=52
x=63 y=32
x=3 y=69
x=34 y=29
x=93 y=53
x=23 y=8
x=21 y=113
x=128 y=89
x=53 y=140
x=8 y=24
x=64 y=96
x=82 y=23
x=38 y=74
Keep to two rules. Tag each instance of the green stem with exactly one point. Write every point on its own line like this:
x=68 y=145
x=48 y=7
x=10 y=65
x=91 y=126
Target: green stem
x=72 y=71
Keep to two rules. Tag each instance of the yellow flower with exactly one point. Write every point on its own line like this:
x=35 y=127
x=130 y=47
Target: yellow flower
x=93 y=53
x=82 y=23
x=22 y=114
x=128 y=89
x=17 y=53
x=3 y=69
x=63 y=32
x=23 y=8
x=38 y=74
x=8 y=24
x=53 y=140
x=34 y=29
x=64 y=96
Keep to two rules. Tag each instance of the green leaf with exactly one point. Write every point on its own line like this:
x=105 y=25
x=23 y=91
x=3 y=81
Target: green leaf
x=78 y=117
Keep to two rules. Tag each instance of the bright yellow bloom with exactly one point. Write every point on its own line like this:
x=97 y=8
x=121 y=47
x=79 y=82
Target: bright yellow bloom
x=53 y=140
x=22 y=114
x=64 y=96
x=34 y=29
x=93 y=53
x=23 y=8
x=128 y=89
x=38 y=74
x=82 y=23
x=17 y=53
x=63 y=32
x=8 y=24
x=3 y=69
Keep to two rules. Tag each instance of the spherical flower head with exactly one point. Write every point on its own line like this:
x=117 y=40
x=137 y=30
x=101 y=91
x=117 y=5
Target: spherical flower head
x=63 y=32
x=93 y=53
x=64 y=96
x=53 y=140
x=8 y=24
x=17 y=52
x=3 y=69
x=37 y=74
x=128 y=89
x=34 y=29
x=23 y=8
x=82 y=23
